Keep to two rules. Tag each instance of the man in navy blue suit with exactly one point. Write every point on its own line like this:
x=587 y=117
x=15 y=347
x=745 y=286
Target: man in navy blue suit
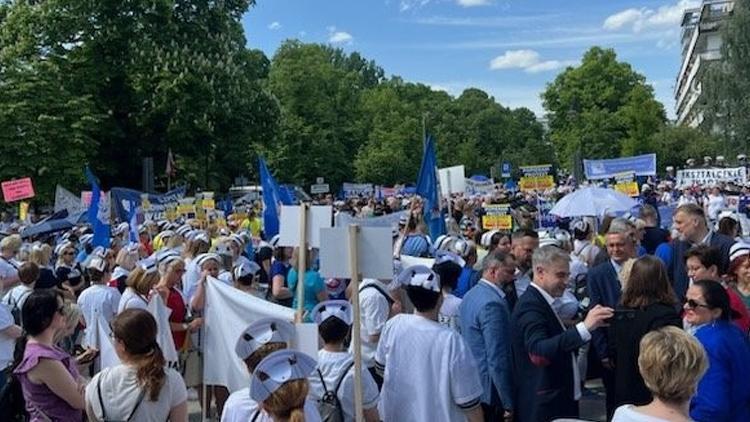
x=690 y=221
x=485 y=325
x=604 y=288
x=546 y=376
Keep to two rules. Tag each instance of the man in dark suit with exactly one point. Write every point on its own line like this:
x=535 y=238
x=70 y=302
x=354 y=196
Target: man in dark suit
x=546 y=375
x=604 y=288
x=690 y=221
x=485 y=325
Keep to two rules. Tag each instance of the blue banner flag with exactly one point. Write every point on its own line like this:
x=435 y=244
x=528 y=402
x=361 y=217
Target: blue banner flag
x=271 y=200
x=428 y=189
x=641 y=165
x=158 y=203
x=101 y=229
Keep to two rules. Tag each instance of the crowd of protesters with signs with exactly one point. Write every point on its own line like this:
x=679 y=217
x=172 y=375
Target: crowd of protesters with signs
x=505 y=316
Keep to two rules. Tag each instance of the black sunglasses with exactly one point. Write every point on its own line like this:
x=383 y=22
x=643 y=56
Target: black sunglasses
x=692 y=304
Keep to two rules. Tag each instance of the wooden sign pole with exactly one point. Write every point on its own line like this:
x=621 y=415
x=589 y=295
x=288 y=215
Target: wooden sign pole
x=302 y=261
x=356 y=336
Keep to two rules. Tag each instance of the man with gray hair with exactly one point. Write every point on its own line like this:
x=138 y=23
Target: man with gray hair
x=544 y=350
x=604 y=288
x=485 y=325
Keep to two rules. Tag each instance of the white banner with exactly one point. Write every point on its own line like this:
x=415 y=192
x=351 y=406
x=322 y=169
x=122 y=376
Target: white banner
x=161 y=313
x=474 y=187
x=227 y=313
x=103 y=342
x=707 y=176
x=355 y=190
x=66 y=200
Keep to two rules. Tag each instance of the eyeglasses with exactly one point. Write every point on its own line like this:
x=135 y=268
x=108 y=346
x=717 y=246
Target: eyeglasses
x=68 y=253
x=692 y=304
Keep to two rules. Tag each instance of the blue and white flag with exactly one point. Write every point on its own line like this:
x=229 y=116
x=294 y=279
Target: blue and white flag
x=428 y=189
x=271 y=198
x=101 y=228
x=133 y=223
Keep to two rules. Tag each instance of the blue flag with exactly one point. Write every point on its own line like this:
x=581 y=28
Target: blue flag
x=271 y=200
x=427 y=188
x=101 y=229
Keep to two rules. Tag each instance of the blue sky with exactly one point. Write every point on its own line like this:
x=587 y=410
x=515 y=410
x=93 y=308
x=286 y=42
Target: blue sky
x=509 y=48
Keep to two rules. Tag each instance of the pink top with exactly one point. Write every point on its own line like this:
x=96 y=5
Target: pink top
x=39 y=398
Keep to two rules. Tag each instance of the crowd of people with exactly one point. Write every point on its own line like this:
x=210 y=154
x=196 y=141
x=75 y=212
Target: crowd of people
x=497 y=325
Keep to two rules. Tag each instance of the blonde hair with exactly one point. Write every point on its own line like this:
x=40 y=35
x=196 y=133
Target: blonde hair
x=11 y=243
x=288 y=401
x=140 y=281
x=41 y=255
x=671 y=363
x=624 y=275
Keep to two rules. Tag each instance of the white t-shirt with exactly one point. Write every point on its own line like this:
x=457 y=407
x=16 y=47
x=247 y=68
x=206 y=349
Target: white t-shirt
x=448 y=314
x=120 y=391
x=627 y=413
x=8 y=269
x=7 y=344
x=239 y=407
x=132 y=300
x=17 y=296
x=331 y=365
x=100 y=299
x=375 y=310
x=190 y=279
x=429 y=371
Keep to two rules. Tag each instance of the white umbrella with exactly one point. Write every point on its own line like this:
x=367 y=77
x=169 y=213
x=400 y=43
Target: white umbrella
x=592 y=202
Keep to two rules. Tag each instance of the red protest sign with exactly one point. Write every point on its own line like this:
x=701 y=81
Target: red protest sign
x=16 y=190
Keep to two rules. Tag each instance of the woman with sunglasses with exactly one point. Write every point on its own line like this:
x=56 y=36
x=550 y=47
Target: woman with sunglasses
x=142 y=388
x=52 y=387
x=68 y=271
x=723 y=394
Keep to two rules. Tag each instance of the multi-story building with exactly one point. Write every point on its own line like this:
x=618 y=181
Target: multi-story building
x=701 y=44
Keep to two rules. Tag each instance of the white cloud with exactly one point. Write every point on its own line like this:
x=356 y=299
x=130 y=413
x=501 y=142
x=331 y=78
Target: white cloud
x=528 y=60
x=274 y=26
x=644 y=19
x=339 y=37
x=515 y=59
x=473 y=3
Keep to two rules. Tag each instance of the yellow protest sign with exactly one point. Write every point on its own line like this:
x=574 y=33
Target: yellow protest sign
x=23 y=210
x=208 y=204
x=497 y=217
x=185 y=209
x=530 y=183
x=628 y=188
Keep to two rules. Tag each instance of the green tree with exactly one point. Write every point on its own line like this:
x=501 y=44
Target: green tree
x=600 y=109
x=674 y=145
x=727 y=83
x=319 y=89
x=165 y=74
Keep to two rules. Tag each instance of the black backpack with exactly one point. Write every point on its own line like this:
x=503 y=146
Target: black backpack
x=12 y=402
x=329 y=405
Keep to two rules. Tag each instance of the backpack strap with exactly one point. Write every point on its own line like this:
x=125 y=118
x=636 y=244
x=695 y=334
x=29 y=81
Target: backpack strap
x=341 y=377
x=320 y=375
x=255 y=415
x=99 y=394
x=141 y=396
x=379 y=289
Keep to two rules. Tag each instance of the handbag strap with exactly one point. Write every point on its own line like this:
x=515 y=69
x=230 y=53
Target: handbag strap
x=341 y=377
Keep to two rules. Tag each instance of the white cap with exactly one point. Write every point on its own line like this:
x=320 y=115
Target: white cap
x=205 y=257
x=277 y=369
x=738 y=250
x=420 y=276
x=447 y=256
x=246 y=269
x=262 y=332
x=340 y=309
